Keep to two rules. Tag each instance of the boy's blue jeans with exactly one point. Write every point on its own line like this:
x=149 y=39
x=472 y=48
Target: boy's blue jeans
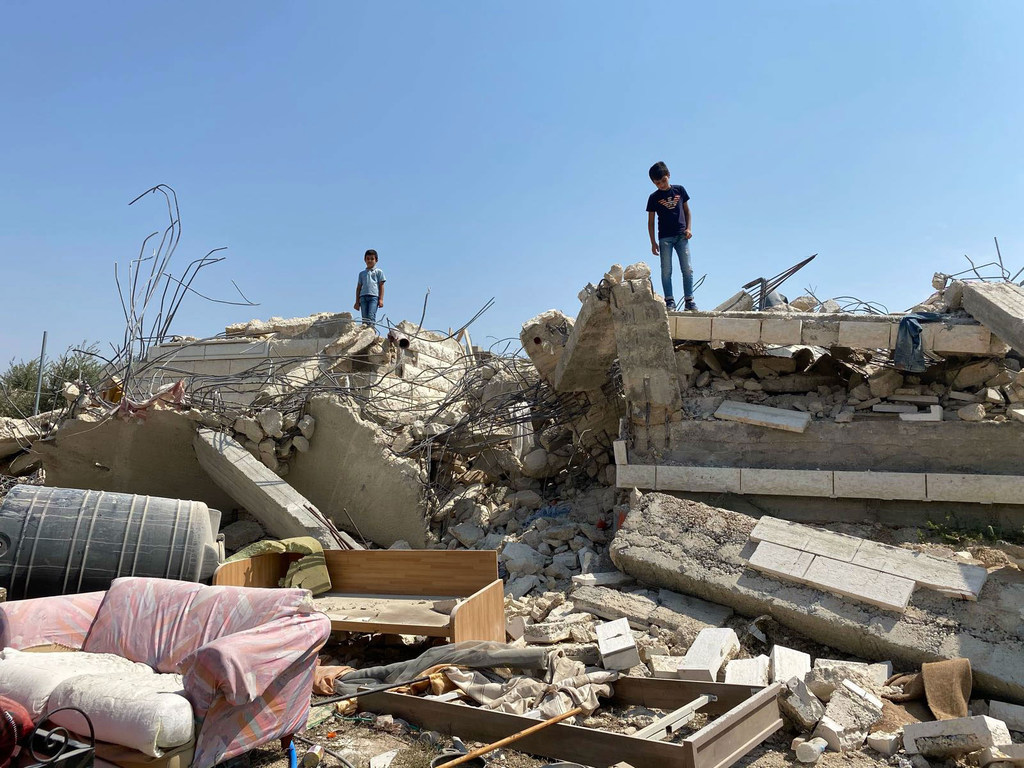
x=682 y=247
x=368 y=308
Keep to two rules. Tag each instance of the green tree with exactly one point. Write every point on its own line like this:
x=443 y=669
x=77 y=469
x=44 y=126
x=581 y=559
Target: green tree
x=18 y=382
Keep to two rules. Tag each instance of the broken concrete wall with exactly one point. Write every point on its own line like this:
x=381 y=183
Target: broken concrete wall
x=149 y=456
x=350 y=474
x=701 y=550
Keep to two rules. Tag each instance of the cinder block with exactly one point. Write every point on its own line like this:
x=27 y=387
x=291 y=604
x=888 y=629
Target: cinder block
x=748 y=671
x=990 y=489
x=962 y=339
x=787 y=482
x=740 y=329
x=786 y=663
x=713 y=647
x=711 y=479
x=689 y=328
x=820 y=333
x=950 y=738
x=864 y=334
x=780 y=331
x=880 y=485
x=635 y=476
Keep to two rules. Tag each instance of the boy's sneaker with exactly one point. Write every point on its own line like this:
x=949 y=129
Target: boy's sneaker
x=670 y=303
x=690 y=305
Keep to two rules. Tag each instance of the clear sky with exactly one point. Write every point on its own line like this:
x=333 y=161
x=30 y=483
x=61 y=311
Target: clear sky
x=497 y=150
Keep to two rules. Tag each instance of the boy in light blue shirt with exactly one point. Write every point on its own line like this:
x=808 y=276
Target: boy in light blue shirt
x=370 y=289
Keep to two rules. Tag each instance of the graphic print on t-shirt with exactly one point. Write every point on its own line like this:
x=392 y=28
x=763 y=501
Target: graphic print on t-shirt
x=670 y=202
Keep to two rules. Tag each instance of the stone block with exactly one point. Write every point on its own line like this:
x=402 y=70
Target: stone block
x=947 y=576
x=944 y=739
x=739 y=329
x=712 y=648
x=850 y=713
x=606 y=579
x=621 y=455
x=975 y=374
x=1005 y=755
x=787 y=663
x=616 y=645
x=787 y=482
x=959 y=339
x=665 y=666
x=864 y=334
x=690 y=328
x=884 y=382
x=611 y=604
x=697 y=479
x=800 y=705
x=763 y=416
x=781 y=331
x=748 y=671
x=873 y=587
x=1011 y=714
x=817 y=541
x=880 y=485
x=635 y=476
x=781 y=562
x=887 y=744
x=1016 y=413
x=985 y=489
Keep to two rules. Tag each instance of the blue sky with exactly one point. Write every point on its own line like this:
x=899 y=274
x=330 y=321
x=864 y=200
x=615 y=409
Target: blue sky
x=497 y=149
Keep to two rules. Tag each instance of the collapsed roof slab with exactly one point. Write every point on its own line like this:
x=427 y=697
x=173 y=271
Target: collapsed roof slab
x=150 y=456
x=351 y=475
x=1000 y=307
x=701 y=550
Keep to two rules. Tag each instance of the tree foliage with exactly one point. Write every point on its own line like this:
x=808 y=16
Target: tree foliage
x=18 y=382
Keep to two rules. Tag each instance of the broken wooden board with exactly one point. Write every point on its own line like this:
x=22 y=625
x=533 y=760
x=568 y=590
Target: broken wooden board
x=763 y=416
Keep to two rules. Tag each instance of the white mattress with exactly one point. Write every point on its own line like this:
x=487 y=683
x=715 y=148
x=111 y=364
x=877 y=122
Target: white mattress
x=128 y=702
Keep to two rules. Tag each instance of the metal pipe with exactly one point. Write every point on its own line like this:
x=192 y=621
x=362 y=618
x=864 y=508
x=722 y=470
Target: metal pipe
x=39 y=381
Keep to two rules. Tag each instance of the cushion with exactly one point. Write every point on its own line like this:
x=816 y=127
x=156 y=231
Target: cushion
x=160 y=622
x=29 y=678
x=141 y=710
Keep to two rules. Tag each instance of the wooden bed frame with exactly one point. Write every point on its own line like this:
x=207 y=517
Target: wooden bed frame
x=744 y=717
x=387 y=576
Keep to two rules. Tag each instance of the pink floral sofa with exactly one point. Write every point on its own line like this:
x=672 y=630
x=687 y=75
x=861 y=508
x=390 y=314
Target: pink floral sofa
x=241 y=657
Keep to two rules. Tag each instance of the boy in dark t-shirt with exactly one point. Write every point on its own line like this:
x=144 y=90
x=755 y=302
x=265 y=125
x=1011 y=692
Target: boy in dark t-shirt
x=670 y=203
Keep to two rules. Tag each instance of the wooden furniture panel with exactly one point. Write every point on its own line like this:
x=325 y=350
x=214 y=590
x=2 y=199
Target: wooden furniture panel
x=411 y=571
x=481 y=616
x=725 y=740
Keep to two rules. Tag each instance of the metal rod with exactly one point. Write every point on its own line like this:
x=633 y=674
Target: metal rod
x=368 y=691
x=39 y=380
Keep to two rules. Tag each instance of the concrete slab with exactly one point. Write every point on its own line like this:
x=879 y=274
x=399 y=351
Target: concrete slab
x=635 y=476
x=947 y=576
x=782 y=562
x=281 y=510
x=688 y=328
x=589 y=350
x=951 y=738
x=1011 y=714
x=1000 y=308
x=763 y=416
x=752 y=672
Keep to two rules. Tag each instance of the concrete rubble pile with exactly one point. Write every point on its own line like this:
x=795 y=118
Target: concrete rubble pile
x=625 y=471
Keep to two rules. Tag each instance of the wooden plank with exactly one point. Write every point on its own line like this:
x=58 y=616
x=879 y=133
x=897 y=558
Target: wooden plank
x=786 y=482
x=781 y=331
x=724 y=741
x=459 y=573
x=864 y=335
x=698 y=479
x=589 y=746
x=947 y=576
x=339 y=624
x=763 y=416
x=739 y=329
x=984 y=489
x=873 y=587
x=635 y=475
x=481 y=616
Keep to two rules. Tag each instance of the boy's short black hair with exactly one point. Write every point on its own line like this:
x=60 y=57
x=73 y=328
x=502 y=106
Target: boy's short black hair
x=658 y=171
x=370 y=252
